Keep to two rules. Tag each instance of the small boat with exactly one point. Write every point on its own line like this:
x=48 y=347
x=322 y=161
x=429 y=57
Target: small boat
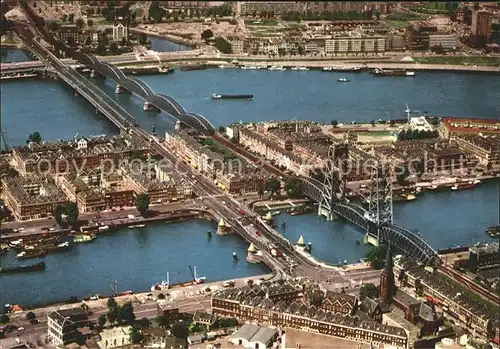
x=300 y=69
x=136 y=226
x=250 y=67
x=493 y=232
x=84 y=238
x=275 y=213
x=276 y=68
x=454 y=187
x=103 y=228
x=223 y=66
x=27 y=255
x=433 y=187
x=343 y=80
x=327 y=68
x=63 y=246
x=476 y=181
x=392 y=72
x=410 y=197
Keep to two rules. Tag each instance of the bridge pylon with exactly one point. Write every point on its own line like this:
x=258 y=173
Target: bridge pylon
x=380 y=212
x=334 y=179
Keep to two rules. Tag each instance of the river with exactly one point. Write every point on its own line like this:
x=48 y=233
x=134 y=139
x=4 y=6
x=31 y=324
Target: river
x=136 y=259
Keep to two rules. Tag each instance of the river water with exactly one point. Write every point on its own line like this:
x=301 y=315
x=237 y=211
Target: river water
x=138 y=258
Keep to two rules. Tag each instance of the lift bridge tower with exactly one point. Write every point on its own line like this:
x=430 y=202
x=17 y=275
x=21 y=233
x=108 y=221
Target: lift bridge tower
x=379 y=201
x=334 y=179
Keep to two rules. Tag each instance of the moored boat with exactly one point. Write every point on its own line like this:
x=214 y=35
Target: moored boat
x=392 y=72
x=276 y=68
x=343 y=80
x=31 y=254
x=165 y=285
x=136 y=226
x=300 y=69
x=250 y=67
x=84 y=238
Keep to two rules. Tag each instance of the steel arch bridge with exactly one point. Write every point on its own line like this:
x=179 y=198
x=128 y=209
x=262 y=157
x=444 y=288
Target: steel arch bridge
x=402 y=238
x=140 y=88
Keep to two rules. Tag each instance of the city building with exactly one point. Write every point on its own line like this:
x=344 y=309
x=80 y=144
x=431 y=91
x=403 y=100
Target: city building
x=481 y=23
x=420 y=123
x=115 y=337
x=274 y=7
x=31 y=197
x=63 y=325
x=456 y=300
x=168 y=310
x=254 y=337
x=417 y=36
x=69 y=34
x=451 y=127
x=483 y=256
x=76 y=155
x=443 y=41
x=246 y=304
x=355 y=44
x=191 y=4
x=204 y=318
x=120 y=29
x=485 y=148
x=444 y=158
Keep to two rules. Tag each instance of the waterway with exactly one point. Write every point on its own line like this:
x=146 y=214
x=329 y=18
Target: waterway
x=13 y=55
x=135 y=258
x=162 y=45
x=138 y=258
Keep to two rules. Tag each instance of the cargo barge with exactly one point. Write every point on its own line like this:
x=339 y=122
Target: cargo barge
x=493 y=232
x=347 y=69
x=223 y=96
x=22 y=268
x=166 y=285
x=148 y=70
x=195 y=67
x=392 y=72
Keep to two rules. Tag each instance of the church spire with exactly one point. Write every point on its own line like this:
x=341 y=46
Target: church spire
x=387 y=283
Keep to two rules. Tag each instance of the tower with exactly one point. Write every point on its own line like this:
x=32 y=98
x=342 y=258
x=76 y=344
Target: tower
x=387 y=284
x=334 y=182
x=380 y=199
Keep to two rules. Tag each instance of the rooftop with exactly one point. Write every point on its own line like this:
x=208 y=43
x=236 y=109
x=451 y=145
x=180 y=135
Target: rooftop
x=469 y=125
x=34 y=189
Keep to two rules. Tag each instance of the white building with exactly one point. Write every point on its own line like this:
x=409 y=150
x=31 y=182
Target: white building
x=420 y=124
x=254 y=336
x=63 y=325
x=120 y=31
x=115 y=337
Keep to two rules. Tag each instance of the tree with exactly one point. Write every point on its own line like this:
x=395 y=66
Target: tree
x=88 y=40
x=273 y=185
x=34 y=137
x=90 y=23
x=64 y=17
x=142 y=203
x=71 y=210
x=223 y=45
x=30 y=316
x=111 y=303
x=376 y=256
x=207 y=34
x=180 y=330
x=53 y=26
x=144 y=323
x=113 y=314
x=80 y=23
x=4 y=319
x=58 y=212
x=334 y=123
x=293 y=187
x=368 y=290
x=126 y=313
x=143 y=39
x=161 y=296
x=71 y=18
x=136 y=336
x=113 y=47
x=102 y=320
x=222 y=129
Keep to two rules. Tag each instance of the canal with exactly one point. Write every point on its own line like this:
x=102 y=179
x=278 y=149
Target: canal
x=136 y=259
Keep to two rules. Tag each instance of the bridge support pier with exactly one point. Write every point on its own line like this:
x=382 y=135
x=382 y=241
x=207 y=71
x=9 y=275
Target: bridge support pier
x=370 y=239
x=92 y=73
x=76 y=93
x=119 y=89
x=147 y=106
x=324 y=212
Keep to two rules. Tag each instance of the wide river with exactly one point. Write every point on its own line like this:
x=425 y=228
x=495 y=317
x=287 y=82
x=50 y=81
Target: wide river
x=138 y=258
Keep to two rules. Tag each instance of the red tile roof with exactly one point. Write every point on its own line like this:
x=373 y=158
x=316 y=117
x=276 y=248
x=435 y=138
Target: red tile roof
x=470 y=125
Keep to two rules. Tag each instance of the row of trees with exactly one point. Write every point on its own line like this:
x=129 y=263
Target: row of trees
x=70 y=210
x=406 y=135
x=293 y=187
x=34 y=137
x=157 y=13
x=223 y=45
x=124 y=315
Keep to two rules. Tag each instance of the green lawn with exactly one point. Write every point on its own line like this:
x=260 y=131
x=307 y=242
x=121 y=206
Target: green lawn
x=218 y=148
x=396 y=23
x=460 y=60
x=262 y=23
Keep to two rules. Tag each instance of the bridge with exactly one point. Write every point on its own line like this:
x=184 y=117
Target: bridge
x=376 y=221
x=330 y=195
x=131 y=84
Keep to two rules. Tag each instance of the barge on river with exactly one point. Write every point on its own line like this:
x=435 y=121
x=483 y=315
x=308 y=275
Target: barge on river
x=392 y=72
x=166 y=285
x=22 y=268
x=226 y=96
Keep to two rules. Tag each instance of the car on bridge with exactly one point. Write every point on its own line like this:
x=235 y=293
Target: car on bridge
x=258 y=233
